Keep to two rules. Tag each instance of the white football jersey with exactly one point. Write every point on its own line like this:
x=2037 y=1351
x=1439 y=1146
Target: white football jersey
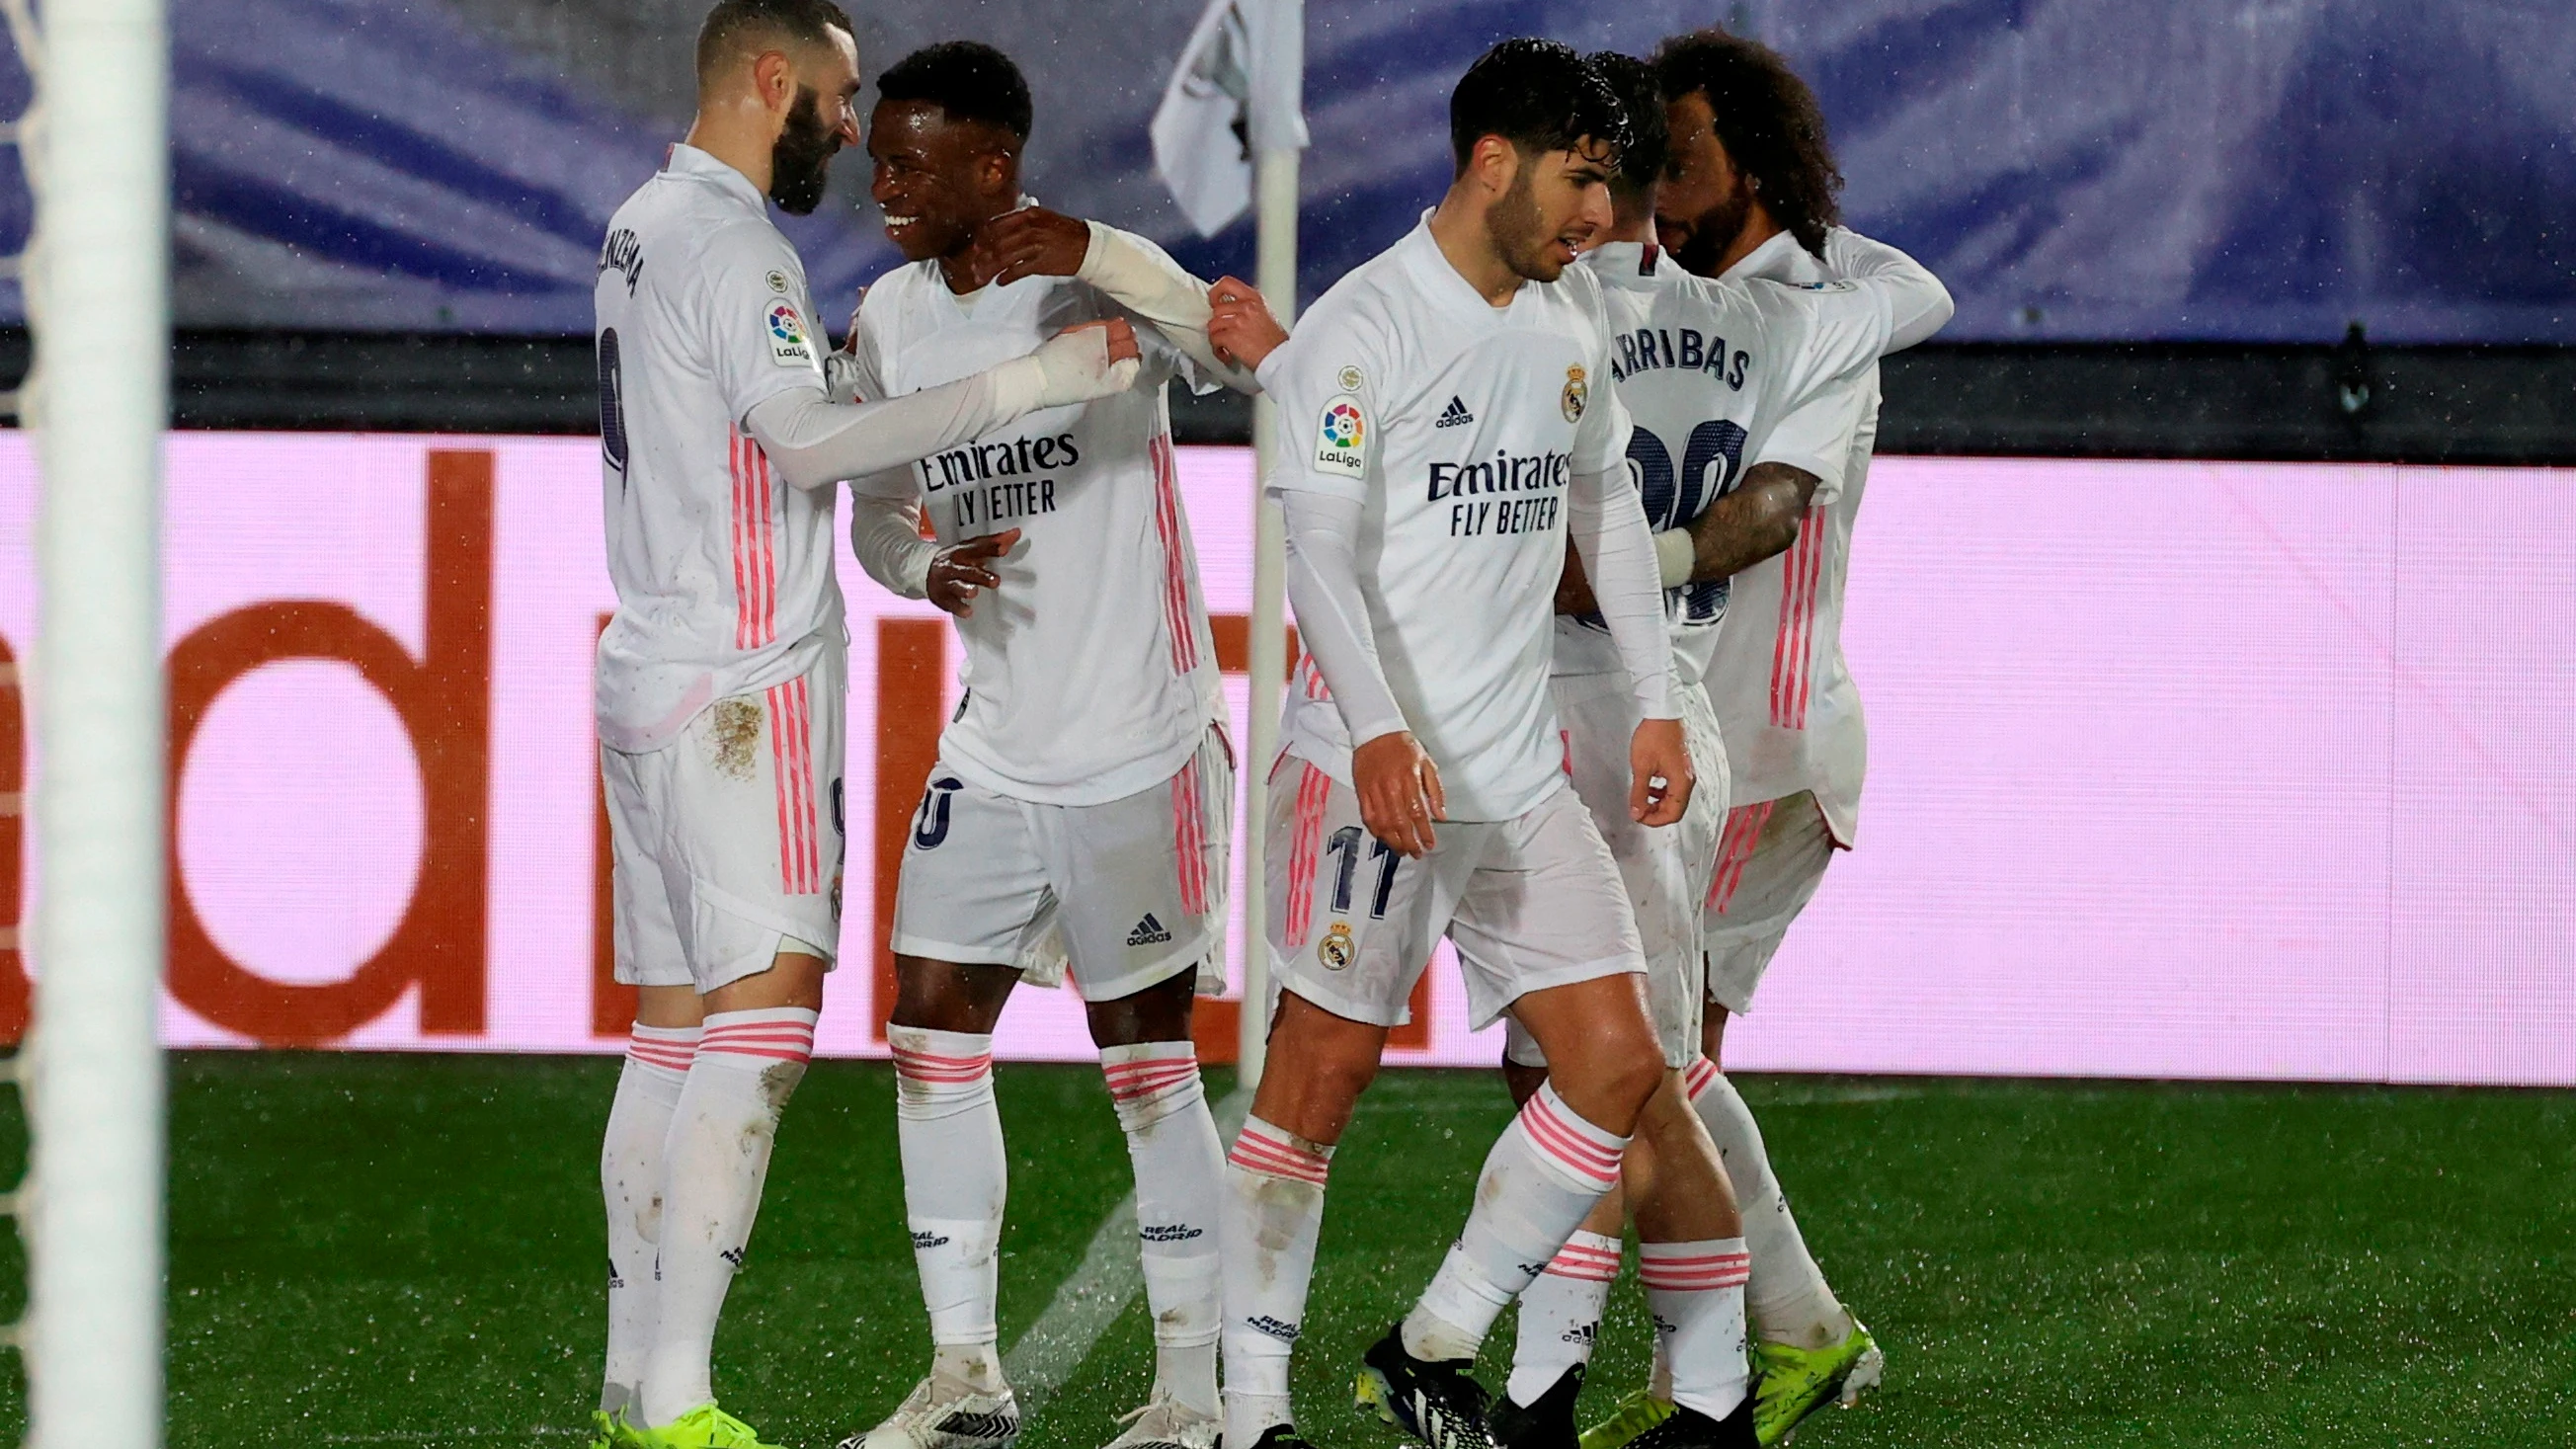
x=1708 y=369
x=723 y=571
x=1090 y=673
x=1785 y=702
x=1458 y=425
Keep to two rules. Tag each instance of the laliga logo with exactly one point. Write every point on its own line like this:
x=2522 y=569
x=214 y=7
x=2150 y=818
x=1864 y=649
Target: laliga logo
x=785 y=325
x=1342 y=426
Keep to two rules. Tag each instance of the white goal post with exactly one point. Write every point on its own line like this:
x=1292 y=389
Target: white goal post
x=97 y=294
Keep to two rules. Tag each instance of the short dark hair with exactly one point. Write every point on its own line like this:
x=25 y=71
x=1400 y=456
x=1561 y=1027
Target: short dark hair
x=968 y=79
x=1768 y=120
x=1641 y=98
x=1536 y=94
x=733 y=21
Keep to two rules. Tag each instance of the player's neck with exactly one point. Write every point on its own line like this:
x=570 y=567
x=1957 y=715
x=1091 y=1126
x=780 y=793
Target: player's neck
x=725 y=137
x=1458 y=228
x=1758 y=228
x=1632 y=218
x=959 y=267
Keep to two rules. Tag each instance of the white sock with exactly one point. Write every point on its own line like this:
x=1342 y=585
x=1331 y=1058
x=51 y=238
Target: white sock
x=747 y=1065
x=1561 y=1315
x=630 y=1182
x=1695 y=1293
x=1274 y=1209
x=954 y=1180
x=1543 y=1176
x=1180 y=1177
x=1787 y=1299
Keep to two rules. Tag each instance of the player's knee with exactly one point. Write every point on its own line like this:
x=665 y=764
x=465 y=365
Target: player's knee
x=943 y=996
x=1160 y=1012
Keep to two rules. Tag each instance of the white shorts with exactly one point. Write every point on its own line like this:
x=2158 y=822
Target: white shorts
x=1665 y=868
x=1531 y=902
x=1129 y=891
x=1770 y=860
x=726 y=843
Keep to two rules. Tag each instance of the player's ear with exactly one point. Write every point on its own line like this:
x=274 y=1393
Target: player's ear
x=773 y=77
x=1495 y=162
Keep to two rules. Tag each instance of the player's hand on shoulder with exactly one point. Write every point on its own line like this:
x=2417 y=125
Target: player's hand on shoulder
x=1030 y=242
x=1093 y=360
x=1240 y=326
x=960 y=571
x=1399 y=790
x=1660 y=764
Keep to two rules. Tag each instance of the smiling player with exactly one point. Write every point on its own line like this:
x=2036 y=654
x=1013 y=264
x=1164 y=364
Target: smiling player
x=1084 y=790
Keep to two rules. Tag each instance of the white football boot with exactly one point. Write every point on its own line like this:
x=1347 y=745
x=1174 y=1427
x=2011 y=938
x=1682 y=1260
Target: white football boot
x=945 y=1414
x=1167 y=1423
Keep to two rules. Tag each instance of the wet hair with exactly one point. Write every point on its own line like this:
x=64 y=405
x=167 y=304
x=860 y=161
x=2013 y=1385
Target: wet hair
x=967 y=79
x=1641 y=97
x=733 y=23
x=1536 y=94
x=1769 y=122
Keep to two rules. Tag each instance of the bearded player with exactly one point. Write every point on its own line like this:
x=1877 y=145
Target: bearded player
x=719 y=678
x=1454 y=430
x=1084 y=790
x=1709 y=370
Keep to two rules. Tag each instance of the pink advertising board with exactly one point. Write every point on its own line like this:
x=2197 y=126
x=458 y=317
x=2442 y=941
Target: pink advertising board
x=2177 y=769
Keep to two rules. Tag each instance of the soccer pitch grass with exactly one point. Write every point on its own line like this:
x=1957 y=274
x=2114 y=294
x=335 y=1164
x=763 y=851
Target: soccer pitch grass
x=407 y=1250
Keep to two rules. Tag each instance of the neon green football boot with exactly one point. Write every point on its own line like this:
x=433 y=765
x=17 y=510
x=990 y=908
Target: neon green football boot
x=1791 y=1383
x=1636 y=1414
x=704 y=1427
x=604 y=1430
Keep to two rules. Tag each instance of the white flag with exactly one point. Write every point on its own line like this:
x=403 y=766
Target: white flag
x=1238 y=90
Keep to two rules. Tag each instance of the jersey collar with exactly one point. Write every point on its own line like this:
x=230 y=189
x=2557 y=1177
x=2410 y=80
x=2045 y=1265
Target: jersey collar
x=1443 y=287
x=687 y=160
x=1775 y=260
x=1625 y=264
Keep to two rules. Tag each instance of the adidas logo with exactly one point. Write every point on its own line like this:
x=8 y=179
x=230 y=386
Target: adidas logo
x=1148 y=932
x=1455 y=415
x=1585 y=1334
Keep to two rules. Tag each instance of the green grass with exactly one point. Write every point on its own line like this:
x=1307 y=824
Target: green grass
x=370 y=1247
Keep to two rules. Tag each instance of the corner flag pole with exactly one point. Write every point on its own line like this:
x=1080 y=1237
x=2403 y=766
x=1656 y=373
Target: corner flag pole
x=1275 y=200
x=95 y=1106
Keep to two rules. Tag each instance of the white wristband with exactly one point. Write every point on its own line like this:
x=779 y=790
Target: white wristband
x=1676 y=553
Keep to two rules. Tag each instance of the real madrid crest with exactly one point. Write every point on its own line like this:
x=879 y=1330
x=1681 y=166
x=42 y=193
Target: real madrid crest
x=1336 y=949
x=1574 y=396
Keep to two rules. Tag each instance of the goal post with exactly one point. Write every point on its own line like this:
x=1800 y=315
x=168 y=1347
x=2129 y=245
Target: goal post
x=98 y=311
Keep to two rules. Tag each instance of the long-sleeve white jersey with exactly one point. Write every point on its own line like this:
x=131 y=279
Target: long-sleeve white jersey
x=1460 y=428
x=1090 y=671
x=723 y=572
x=1785 y=700
x=1709 y=369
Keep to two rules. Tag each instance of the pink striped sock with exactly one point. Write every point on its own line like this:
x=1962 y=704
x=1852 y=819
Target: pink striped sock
x=1274 y=1208
x=1695 y=1293
x=1543 y=1176
x=1561 y=1315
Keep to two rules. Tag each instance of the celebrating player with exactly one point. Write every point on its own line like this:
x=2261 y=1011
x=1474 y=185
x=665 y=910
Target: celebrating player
x=1708 y=370
x=719 y=679
x=1084 y=789
x=1456 y=427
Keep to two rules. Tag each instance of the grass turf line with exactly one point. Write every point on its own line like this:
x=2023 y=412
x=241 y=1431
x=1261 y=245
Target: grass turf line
x=378 y=1249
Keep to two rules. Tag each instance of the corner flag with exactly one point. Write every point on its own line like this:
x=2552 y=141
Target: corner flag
x=1238 y=91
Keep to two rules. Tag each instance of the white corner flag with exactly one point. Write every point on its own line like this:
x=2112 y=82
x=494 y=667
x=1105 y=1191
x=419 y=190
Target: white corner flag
x=1238 y=91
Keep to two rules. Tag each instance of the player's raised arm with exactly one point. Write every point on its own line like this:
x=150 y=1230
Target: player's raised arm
x=1128 y=269
x=816 y=442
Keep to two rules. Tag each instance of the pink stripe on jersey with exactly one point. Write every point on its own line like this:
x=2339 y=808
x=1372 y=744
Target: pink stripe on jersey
x=1688 y=1268
x=1584 y=1262
x=800 y=860
x=1735 y=846
x=1313 y=678
x=1189 y=838
x=763 y=492
x=1259 y=1152
x=1793 y=646
x=1569 y=1143
x=1698 y=1077
x=1178 y=616
x=1313 y=787
x=741 y=563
